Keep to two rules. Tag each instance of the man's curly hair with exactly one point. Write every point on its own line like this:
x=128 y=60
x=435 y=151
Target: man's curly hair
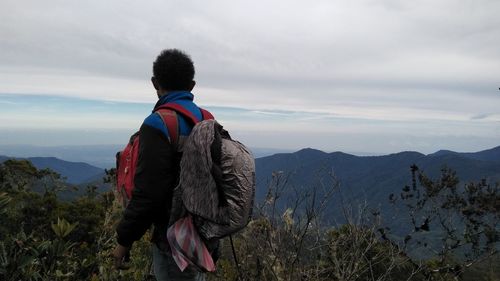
x=173 y=70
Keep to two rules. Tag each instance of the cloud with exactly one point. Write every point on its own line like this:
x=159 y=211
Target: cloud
x=330 y=61
x=480 y=116
x=8 y=103
x=281 y=39
x=270 y=113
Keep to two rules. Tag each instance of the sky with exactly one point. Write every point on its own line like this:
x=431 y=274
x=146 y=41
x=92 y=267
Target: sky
x=365 y=76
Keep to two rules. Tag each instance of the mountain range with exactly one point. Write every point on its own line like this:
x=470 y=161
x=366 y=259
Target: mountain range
x=360 y=178
x=365 y=180
x=74 y=172
x=102 y=156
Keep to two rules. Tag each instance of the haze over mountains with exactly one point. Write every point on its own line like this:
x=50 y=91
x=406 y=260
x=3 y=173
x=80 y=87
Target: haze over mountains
x=362 y=180
x=360 y=177
x=102 y=156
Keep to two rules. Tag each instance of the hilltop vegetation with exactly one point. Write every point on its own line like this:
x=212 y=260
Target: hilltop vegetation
x=43 y=238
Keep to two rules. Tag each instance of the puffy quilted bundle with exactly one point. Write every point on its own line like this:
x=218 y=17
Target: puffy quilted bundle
x=217 y=180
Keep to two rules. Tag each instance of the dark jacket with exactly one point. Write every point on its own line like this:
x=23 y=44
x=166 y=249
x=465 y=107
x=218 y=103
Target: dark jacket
x=157 y=174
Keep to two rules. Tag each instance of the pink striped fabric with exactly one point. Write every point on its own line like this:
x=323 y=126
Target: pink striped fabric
x=187 y=247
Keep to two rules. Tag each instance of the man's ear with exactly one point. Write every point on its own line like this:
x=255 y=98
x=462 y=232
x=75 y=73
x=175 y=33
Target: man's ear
x=155 y=83
x=193 y=83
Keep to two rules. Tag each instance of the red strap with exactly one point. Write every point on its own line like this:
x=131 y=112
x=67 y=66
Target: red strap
x=206 y=115
x=179 y=108
x=168 y=114
x=169 y=118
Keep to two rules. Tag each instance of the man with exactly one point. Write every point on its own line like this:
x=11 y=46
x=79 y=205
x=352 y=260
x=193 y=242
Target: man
x=157 y=170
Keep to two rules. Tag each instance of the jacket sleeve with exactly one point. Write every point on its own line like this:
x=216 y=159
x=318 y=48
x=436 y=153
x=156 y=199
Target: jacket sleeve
x=155 y=178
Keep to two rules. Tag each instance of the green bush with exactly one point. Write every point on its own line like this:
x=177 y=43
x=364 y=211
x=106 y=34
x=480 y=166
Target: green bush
x=44 y=238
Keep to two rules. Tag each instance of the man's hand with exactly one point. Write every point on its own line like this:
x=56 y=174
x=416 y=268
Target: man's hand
x=120 y=256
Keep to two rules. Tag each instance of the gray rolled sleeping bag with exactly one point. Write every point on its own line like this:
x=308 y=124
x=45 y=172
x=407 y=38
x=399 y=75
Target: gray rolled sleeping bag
x=217 y=181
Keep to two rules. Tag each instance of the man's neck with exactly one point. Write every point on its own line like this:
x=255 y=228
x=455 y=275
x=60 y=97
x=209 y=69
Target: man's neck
x=161 y=93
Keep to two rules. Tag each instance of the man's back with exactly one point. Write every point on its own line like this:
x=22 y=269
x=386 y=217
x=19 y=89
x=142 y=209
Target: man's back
x=156 y=173
x=157 y=167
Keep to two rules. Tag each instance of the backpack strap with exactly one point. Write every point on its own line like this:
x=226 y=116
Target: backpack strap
x=168 y=113
x=169 y=118
x=206 y=115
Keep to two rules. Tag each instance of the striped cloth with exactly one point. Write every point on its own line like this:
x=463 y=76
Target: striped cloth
x=187 y=247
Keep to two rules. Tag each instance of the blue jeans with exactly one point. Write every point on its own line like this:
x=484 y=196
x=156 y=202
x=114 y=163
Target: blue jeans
x=166 y=269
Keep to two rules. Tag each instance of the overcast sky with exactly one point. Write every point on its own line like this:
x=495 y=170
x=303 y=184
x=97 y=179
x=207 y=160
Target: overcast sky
x=374 y=76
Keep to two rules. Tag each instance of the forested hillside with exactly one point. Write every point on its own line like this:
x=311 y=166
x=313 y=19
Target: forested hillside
x=44 y=238
x=370 y=179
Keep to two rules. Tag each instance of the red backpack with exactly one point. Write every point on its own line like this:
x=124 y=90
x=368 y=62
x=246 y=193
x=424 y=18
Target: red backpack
x=126 y=160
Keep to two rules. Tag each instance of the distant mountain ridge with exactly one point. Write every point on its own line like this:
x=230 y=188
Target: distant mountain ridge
x=361 y=177
x=102 y=156
x=74 y=172
x=492 y=154
x=79 y=171
x=370 y=179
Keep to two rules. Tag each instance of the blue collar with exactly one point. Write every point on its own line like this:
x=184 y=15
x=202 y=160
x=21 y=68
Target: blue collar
x=175 y=96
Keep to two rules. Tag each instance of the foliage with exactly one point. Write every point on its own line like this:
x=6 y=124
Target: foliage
x=43 y=238
x=458 y=225
x=4 y=202
x=295 y=245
